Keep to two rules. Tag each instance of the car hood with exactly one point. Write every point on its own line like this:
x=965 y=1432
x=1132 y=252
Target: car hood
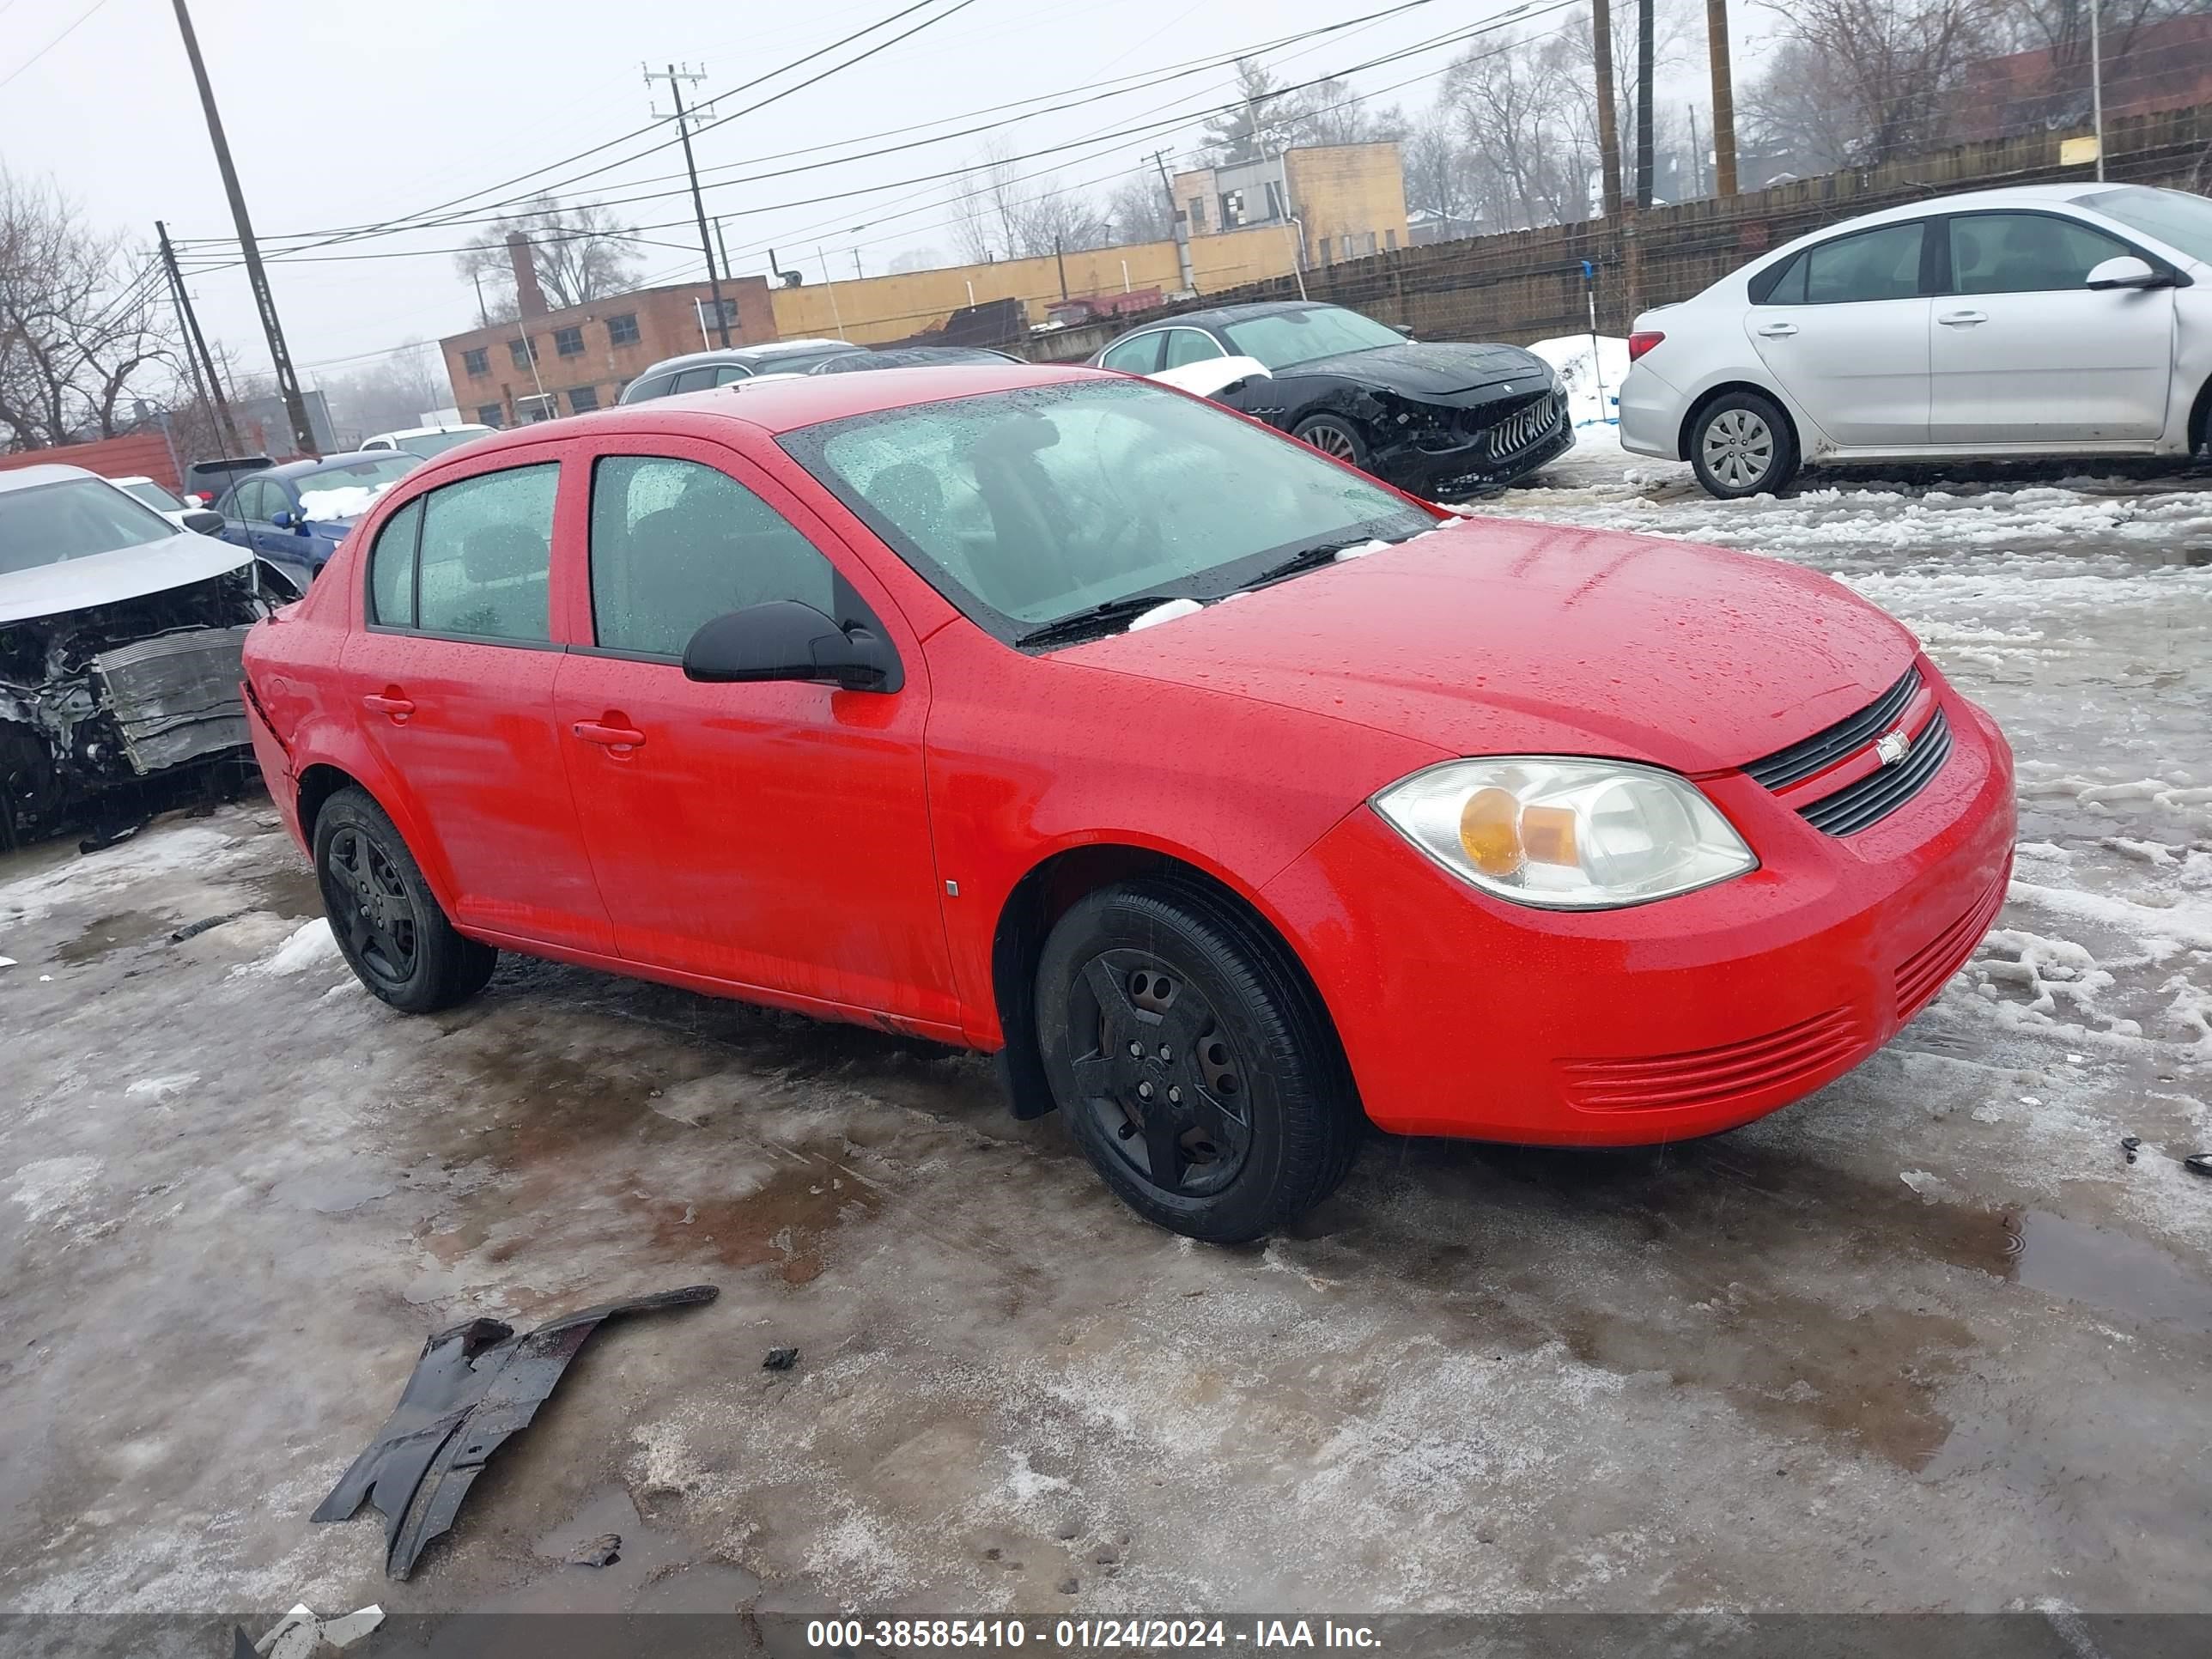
x=1423 y=370
x=1491 y=636
x=129 y=572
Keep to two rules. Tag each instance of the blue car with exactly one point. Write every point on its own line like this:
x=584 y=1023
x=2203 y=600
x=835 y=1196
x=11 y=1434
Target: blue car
x=295 y=515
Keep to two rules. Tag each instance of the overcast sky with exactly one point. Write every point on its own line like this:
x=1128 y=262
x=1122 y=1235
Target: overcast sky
x=343 y=116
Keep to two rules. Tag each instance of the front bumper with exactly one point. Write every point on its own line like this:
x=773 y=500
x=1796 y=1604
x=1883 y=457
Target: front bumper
x=1462 y=469
x=1465 y=1016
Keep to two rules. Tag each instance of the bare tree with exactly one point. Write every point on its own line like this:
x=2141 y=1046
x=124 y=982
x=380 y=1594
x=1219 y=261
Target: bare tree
x=996 y=212
x=83 y=326
x=1439 y=174
x=1886 y=68
x=1794 y=119
x=390 y=393
x=1138 y=209
x=581 y=254
x=1271 y=118
x=1528 y=129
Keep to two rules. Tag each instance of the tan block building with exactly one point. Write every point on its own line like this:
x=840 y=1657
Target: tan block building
x=1336 y=202
x=584 y=356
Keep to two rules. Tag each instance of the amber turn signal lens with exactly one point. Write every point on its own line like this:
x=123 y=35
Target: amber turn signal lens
x=1547 y=834
x=1489 y=829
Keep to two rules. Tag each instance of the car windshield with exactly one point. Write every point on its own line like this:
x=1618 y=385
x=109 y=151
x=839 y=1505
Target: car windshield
x=2178 y=219
x=345 y=489
x=1283 y=339
x=427 y=444
x=76 y=519
x=153 y=495
x=1030 y=505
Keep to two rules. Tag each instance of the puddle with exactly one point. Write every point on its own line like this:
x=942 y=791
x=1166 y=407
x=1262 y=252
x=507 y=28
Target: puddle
x=652 y=1571
x=113 y=933
x=2105 y=1270
x=785 y=1224
x=290 y=892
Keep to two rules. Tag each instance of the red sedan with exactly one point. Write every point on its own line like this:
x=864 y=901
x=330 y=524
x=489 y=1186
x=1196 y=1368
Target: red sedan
x=1228 y=796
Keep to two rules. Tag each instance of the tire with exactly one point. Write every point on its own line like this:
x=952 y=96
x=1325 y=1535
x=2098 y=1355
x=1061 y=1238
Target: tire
x=1252 y=1111
x=1741 y=444
x=388 y=923
x=1335 y=436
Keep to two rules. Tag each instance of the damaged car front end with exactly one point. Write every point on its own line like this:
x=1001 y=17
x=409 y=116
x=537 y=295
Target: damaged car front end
x=120 y=645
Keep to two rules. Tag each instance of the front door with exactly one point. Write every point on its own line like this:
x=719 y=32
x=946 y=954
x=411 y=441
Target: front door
x=2024 y=352
x=771 y=835
x=1844 y=332
x=453 y=674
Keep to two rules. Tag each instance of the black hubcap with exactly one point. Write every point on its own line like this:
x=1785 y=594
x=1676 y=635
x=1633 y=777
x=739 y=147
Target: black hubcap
x=368 y=902
x=1159 y=1073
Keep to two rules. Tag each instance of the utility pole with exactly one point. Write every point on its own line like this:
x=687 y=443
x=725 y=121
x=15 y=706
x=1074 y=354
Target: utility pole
x=1609 y=106
x=1697 y=155
x=483 y=317
x=1646 y=51
x=2097 y=83
x=683 y=130
x=295 y=406
x=1182 y=225
x=1716 y=48
x=196 y=352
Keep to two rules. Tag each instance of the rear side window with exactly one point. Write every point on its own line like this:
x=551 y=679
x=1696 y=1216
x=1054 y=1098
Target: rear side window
x=392 y=568
x=485 y=564
x=1874 y=265
x=692 y=380
x=1781 y=285
x=1187 y=345
x=1139 y=356
x=2024 y=253
x=675 y=544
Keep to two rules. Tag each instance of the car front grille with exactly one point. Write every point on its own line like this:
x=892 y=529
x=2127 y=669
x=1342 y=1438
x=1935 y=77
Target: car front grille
x=1712 y=1077
x=1867 y=800
x=1524 y=427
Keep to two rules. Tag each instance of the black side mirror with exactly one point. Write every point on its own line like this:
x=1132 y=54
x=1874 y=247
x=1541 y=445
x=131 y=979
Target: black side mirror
x=784 y=639
x=207 y=523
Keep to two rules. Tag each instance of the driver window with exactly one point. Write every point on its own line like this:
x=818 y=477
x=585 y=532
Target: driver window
x=1187 y=345
x=676 y=543
x=2024 y=253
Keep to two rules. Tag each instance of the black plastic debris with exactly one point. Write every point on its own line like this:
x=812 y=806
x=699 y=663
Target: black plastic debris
x=194 y=929
x=2129 y=1143
x=780 y=1360
x=601 y=1551
x=2198 y=1164
x=110 y=834
x=475 y=1387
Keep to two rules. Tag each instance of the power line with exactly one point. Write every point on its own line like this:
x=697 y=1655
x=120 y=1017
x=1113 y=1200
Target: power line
x=51 y=45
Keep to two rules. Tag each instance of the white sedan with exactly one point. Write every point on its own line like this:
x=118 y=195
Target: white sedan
x=2044 y=319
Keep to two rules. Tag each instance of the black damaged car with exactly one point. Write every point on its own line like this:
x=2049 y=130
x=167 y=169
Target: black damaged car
x=1442 y=421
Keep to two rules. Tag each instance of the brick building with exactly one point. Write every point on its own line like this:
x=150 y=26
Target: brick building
x=547 y=362
x=1334 y=201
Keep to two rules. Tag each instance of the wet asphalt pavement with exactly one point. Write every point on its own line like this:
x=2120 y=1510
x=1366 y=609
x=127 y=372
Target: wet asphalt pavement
x=1925 y=1340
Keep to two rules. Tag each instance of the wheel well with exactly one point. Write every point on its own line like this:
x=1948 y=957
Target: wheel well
x=1046 y=894
x=1707 y=399
x=317 y=785
x=2200 y=419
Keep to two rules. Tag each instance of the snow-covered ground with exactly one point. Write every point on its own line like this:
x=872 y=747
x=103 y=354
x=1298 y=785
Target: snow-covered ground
x=1591 y=368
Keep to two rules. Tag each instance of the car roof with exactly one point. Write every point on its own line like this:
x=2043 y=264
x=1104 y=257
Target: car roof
x=747 y=354
x=301 y=469
x=45 y=472
x=2073 y=195
x=1216 y=315
x=785 y=405
x=428 y=431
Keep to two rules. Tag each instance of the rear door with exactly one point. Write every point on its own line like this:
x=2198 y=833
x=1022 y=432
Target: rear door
x=2025 y=352
x=1843 y=329
x=453 y=672
x=773 y=835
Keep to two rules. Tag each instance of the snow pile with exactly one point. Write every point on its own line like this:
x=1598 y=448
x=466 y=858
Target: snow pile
x=343 y=502
x=1166 y=611
x=1591 y=379
x=311 y=942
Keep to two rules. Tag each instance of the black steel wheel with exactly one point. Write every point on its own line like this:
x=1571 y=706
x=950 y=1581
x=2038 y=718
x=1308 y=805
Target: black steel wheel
x=1335 y=437
x=387 y=922
x=1196 y=1069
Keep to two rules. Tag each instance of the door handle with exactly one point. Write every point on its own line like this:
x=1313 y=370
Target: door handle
x=608 y=737
x=1963 y=318
x=388 y=702
x=1778 y=330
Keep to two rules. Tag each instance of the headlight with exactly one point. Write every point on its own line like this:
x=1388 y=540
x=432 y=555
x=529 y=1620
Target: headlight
x=1566 y=834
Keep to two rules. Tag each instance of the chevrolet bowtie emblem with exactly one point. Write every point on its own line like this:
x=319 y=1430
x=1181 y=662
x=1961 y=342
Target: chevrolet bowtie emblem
x=1892 y=748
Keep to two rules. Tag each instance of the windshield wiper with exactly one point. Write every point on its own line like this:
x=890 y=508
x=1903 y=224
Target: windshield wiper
x=1321 y=553
x=1097 y=619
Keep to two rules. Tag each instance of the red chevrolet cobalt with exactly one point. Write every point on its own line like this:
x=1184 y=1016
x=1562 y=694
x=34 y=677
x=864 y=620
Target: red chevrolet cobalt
x=1230 y=797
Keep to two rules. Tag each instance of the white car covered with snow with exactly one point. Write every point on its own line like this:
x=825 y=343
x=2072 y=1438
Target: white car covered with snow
x=119 y=642
x=2046 y=319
